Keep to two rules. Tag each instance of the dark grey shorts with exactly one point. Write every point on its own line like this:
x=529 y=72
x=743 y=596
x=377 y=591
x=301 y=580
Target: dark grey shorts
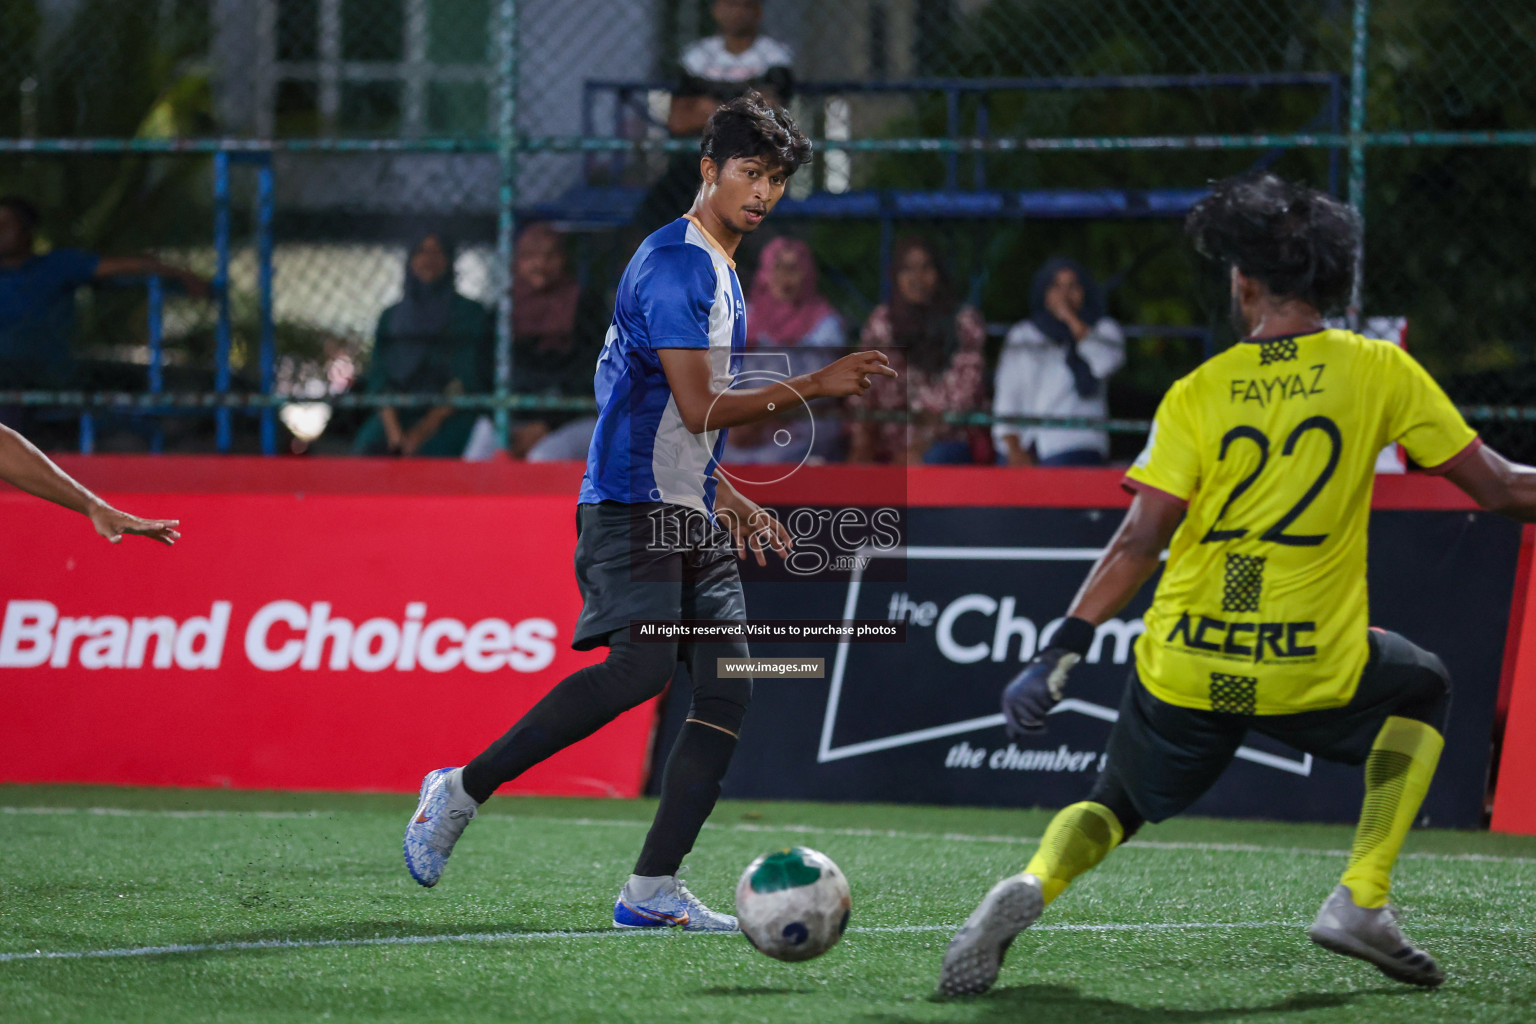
x=651 y=561
x=1164 y=757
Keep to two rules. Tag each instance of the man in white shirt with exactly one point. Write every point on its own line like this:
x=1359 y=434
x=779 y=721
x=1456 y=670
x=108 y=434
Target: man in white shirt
x=713 y=71
x=722 y=67
x=1056 y=363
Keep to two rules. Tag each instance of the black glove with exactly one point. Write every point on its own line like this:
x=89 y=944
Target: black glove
x=1038 y=689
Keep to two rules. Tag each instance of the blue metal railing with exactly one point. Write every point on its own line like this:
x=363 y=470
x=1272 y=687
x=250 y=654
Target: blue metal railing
x=224 y=328
x=221 y=212
x=629 y=101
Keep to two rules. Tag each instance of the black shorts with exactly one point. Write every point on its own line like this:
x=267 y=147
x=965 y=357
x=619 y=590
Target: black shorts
x=1164 y=757
x=651 y=561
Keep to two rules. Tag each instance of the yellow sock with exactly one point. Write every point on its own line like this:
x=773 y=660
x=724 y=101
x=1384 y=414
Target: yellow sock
x=1397 y=775
x=1077 y=839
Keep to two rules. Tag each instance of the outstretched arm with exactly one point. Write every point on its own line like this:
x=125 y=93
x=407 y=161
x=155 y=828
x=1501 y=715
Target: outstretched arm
x=1130 y=560
x=24 y=466
x=687 y=115
x=129 y=266
x=1497 y=484
x=703 y=407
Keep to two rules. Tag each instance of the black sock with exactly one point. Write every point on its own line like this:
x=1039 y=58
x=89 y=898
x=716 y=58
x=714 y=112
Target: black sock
x=689 y=788
x=578 y=706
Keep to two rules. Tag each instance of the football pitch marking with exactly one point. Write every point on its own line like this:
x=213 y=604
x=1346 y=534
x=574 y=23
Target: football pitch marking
x=423 y=940
x=854 y=833
x=265 y=945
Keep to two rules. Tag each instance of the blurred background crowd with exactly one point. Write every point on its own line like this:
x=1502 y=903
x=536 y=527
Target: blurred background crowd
x=355 y=252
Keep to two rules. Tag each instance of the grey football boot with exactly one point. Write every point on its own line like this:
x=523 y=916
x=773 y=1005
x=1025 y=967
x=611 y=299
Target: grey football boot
x=975 y=954
x=441 y=814
x=1372 y=935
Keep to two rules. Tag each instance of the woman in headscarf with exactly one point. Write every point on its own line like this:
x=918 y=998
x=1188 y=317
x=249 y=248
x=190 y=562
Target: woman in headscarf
x=433 y=340
x=785 y=310
x=1056 y=364
x=556 y=338
x=935 y=344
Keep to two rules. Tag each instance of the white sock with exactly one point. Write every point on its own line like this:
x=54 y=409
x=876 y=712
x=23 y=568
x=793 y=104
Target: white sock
x=456 y=787
x=643 y=887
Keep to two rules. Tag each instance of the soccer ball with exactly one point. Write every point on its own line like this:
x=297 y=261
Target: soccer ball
x=793 y=904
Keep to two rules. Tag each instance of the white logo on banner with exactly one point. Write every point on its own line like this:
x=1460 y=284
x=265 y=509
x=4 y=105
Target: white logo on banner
x=281 y=635
x=35 y=634
x=1113 y=641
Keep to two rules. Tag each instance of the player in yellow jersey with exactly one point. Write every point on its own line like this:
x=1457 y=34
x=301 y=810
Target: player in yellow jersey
x=1257 y=480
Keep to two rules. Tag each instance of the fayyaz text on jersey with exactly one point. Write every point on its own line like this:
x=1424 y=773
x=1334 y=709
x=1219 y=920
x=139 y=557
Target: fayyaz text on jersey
x=1266 y=391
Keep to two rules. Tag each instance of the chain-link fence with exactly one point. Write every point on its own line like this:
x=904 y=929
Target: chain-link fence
x=1004 y=132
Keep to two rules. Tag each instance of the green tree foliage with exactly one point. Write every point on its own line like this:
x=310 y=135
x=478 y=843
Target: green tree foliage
x=107 y=69
x=1447 y=227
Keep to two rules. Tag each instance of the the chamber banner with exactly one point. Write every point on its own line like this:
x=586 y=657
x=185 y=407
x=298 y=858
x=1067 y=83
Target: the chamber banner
x=980 y=592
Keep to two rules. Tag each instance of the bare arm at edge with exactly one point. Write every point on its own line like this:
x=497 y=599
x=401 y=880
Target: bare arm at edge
x=24 y=466
x=1130 y=559
x=1497 y=484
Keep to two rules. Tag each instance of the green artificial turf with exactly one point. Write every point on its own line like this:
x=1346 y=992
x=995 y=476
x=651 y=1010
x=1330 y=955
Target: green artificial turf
x=1179 y=926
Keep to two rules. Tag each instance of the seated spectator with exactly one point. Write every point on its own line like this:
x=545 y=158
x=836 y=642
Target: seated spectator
x=557 y=333
x=433 y=340
x=1056 y=364
x=786 y=313
x=713 y=71
x=719 y=68
x=935 y=344
x=784 y=308
x=779 y=441
x=37 y=296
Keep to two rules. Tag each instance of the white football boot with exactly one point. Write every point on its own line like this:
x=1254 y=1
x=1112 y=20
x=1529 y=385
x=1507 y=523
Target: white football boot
x=975 y=954
x=671 y=906
x=443 y=811
x=1372 y=935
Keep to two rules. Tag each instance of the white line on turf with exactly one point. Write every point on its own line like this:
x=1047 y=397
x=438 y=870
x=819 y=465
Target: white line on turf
x=139 y=812
x=860 y=833
x=491 y=937
x=418 y=940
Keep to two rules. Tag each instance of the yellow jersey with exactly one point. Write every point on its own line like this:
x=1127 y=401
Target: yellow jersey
x=1272 y=445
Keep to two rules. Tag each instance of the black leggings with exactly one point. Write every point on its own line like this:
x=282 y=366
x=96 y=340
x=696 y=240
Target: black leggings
x=589 y=699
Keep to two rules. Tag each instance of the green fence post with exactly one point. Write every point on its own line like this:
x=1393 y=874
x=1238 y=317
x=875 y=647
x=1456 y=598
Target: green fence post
x=1357 y=146
x=506 y=199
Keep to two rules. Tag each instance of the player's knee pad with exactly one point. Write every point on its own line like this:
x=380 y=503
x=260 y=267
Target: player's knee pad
x=719 y=710
x=1109 y=792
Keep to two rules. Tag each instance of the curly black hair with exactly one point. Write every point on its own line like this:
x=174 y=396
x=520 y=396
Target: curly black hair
x=1299 y=242
x=750 y=126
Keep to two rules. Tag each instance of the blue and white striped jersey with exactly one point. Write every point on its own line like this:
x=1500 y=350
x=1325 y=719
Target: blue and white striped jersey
x=679 y=291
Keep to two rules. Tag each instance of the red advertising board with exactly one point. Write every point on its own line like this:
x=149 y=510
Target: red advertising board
x=293 y=640
x=351 y=624
x=1514 y=799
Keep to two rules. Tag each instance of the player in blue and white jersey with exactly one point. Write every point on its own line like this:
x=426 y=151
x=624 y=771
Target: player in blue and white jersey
x=657 y=524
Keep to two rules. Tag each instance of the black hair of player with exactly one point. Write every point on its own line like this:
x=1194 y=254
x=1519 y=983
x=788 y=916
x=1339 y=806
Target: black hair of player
x=24 y=210
x=1298 y=242
x=749 y=126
